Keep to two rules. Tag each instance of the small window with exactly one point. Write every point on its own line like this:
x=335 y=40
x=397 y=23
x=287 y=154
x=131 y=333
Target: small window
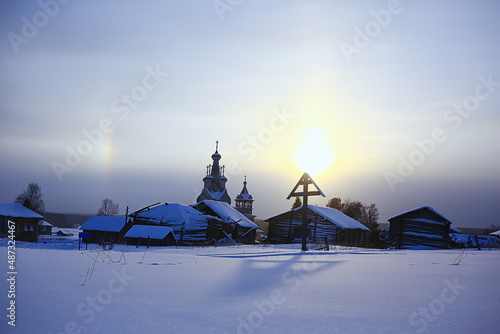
x=32 y=227
x=25 y=228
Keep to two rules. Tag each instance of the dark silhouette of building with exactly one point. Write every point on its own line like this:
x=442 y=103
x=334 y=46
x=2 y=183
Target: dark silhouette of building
x=244 y=202
x=214 y=187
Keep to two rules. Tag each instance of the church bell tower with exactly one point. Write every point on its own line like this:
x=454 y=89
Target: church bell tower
x=244 y=202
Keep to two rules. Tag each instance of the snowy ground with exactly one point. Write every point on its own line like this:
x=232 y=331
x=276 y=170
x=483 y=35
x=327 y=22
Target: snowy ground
x=251 y=289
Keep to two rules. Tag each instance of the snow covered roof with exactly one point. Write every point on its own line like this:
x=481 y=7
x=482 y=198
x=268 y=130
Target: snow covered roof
x=495 y=234
x=17 y=210
x=333 y=215
x=244 y=195
x=423 y=220
x=421 y=208
x=44 y=223
x=145 y=231
x=338 y=218
x=104 y=223
x=454 y=230
x=228 y=213
x=172 y=214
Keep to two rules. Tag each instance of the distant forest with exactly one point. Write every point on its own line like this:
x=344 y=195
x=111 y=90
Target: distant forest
x=64 y=220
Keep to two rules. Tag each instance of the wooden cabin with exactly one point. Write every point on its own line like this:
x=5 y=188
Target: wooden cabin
x=328 y=223
x=189 y=226
x=25 y=221
x=106 y=229
x=235 y=224
x=420 y=228
x=150 y=235
x=45 y=227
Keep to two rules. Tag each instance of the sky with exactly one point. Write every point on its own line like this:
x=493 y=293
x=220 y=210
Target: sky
x=395 y=102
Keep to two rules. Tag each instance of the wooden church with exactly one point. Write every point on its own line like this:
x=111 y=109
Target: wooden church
x=214 y=200
x=214 y=183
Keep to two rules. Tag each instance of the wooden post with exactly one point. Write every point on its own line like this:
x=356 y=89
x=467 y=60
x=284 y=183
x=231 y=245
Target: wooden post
x=304 y=219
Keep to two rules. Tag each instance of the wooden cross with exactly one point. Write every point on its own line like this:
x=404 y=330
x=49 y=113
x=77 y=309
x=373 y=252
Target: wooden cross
x=305 y=181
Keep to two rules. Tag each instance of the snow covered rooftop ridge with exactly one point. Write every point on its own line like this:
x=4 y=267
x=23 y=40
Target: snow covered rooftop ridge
x=104 y=223
x=495 y=234
x=17 y=210
x=145 y=231
x=229 y=214
x=171 y=213
x=44 y=223
x=333 y=215
x=420 y=208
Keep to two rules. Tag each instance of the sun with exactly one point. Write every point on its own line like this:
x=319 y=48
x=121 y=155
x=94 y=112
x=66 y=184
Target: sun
x=313 y=156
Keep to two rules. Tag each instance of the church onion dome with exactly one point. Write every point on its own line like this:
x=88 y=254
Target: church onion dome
x=208 y=177
x=223 y=178
x=216 y=156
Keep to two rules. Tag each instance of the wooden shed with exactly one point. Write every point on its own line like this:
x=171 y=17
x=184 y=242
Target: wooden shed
x=45 y=227
x=234 y=223
x=419 y=228
x=25 y=221
x=106 y=229
x=324 y=223
x=151 y=235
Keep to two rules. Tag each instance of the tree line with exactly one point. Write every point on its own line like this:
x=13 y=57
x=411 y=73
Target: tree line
x=32 y=198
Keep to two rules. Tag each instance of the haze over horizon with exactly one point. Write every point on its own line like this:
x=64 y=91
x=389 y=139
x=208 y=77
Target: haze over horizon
x=397 y=100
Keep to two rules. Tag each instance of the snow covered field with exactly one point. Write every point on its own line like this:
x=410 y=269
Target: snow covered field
x=251 y=289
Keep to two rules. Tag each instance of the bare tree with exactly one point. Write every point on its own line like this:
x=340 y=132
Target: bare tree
x=372 y=217
x=108 y=208
x=32 y=198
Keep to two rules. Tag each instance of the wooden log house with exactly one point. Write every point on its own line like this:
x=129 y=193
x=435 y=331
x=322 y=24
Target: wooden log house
x=324 y=223
x=26 y=222
x=189 y=226
x=149 y=235
x=423 y=227
x=234 y=223
x=106 y=229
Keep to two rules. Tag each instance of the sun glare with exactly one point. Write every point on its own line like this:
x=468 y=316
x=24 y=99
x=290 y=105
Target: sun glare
x=313 y=156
